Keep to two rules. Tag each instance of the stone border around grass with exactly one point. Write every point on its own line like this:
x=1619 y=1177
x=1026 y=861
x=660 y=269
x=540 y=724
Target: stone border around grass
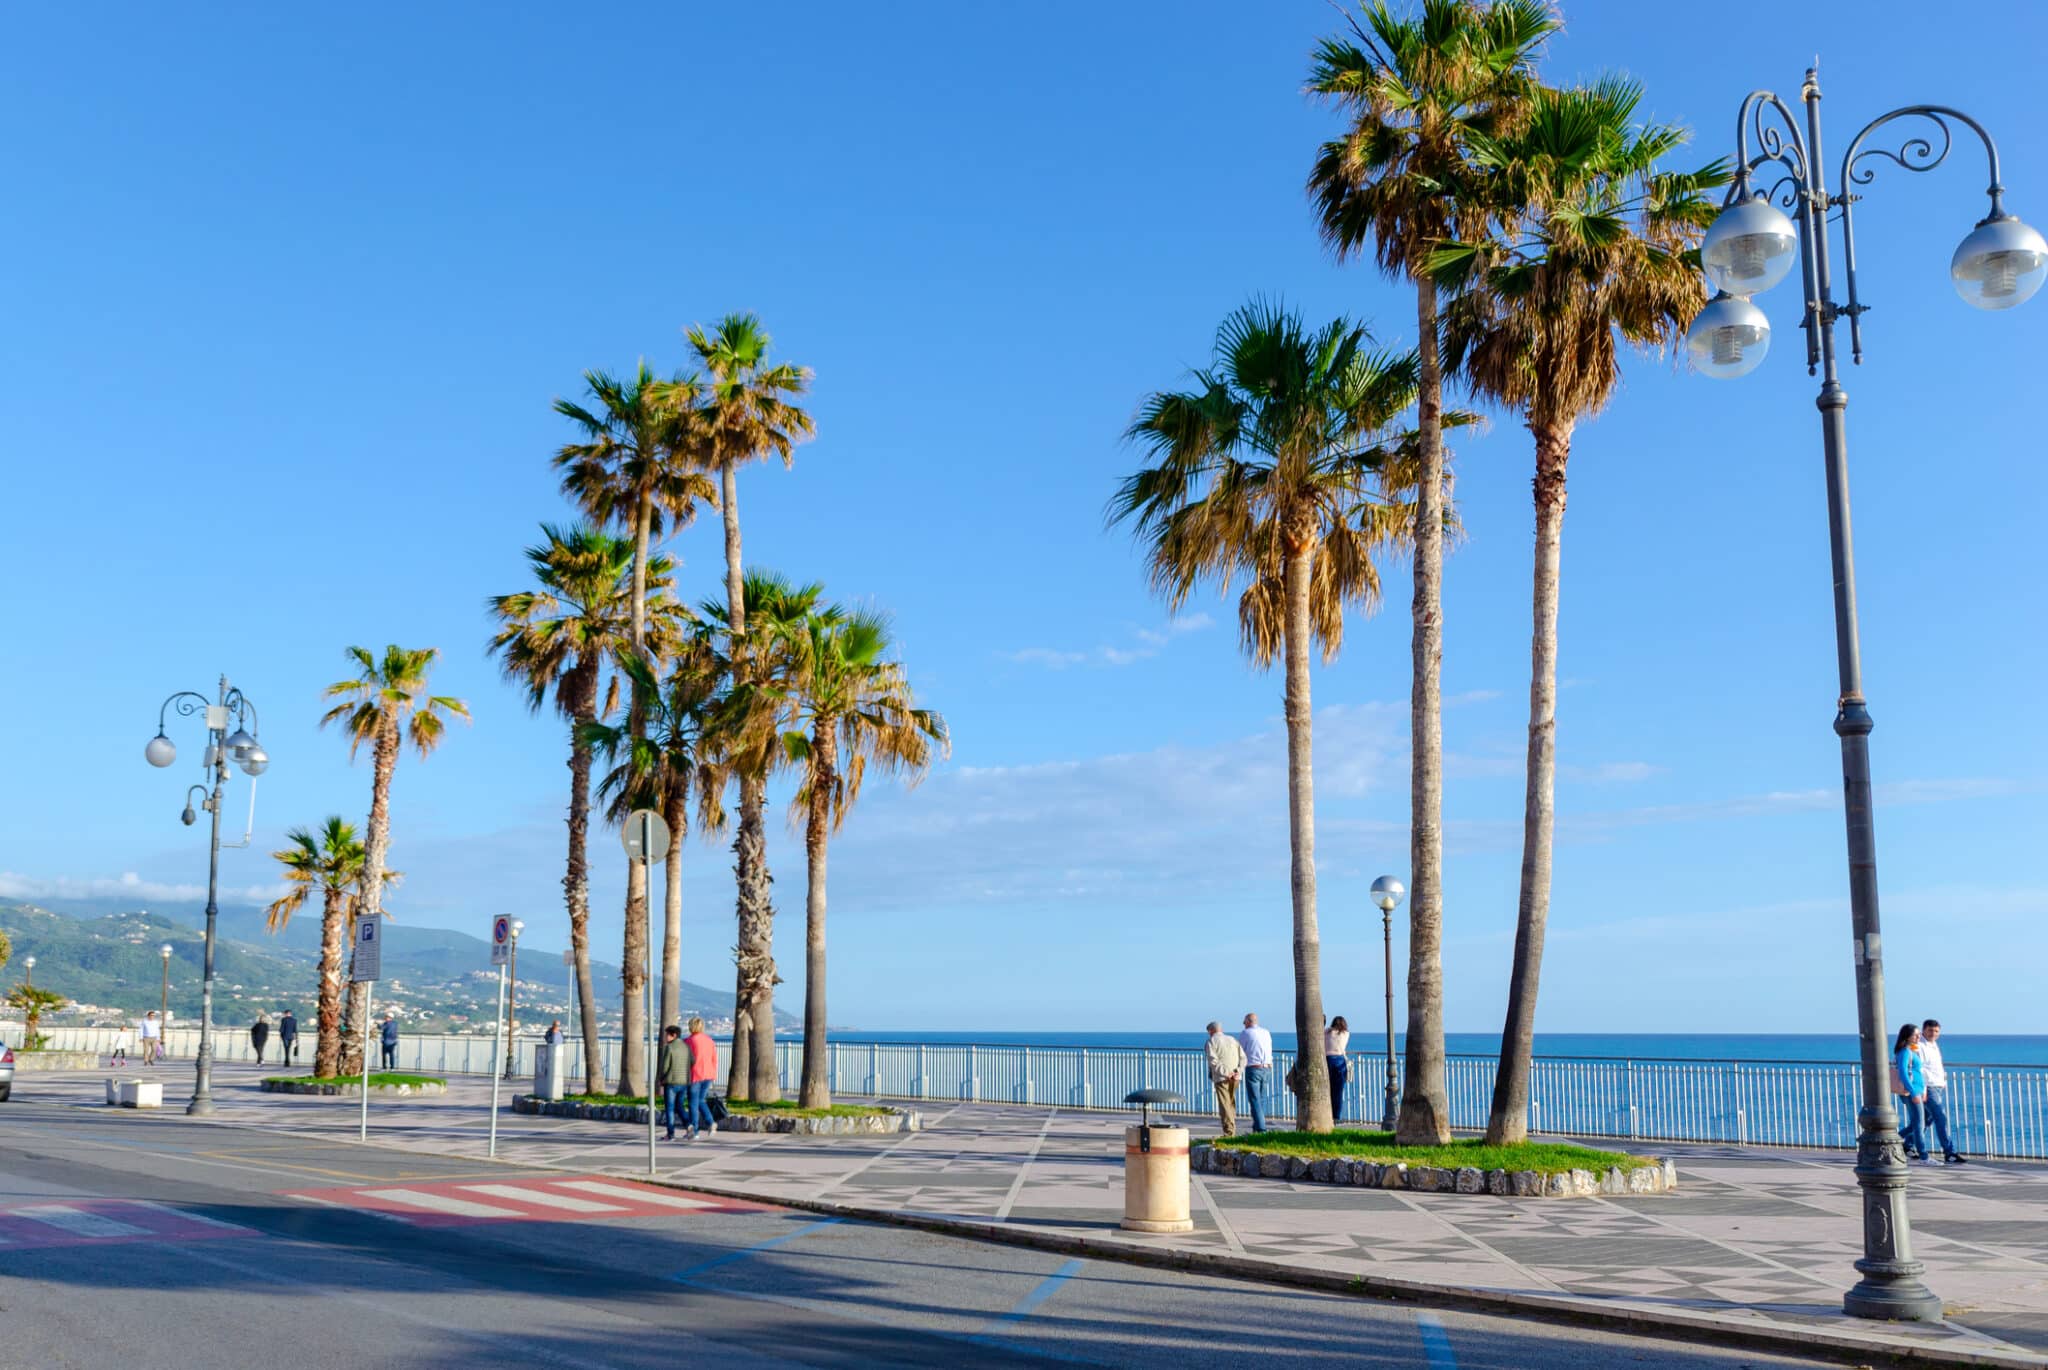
x=349 y=1091
x=1658 y=1178
x=889 y=1120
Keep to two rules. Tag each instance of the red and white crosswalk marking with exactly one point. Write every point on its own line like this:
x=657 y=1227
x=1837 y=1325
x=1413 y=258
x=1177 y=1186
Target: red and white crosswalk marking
x=89 y=1221
x=529 y=1199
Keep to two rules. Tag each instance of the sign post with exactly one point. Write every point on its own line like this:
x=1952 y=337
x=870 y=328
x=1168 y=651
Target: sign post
x=501 y=957
x=646 y=837
x=369 y=968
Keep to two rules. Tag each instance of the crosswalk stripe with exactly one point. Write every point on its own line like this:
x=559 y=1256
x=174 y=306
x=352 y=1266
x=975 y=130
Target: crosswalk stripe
x=541 y=1196
x=638 y=1196
x=78 y=1222
x=187 y=1215
x=442 y=1203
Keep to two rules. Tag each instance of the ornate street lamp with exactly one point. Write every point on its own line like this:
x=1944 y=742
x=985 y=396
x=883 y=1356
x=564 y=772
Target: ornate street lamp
x=230 y=708
x=28 y=972
x=512 y=1001
x=164 y=1010
x=1752 y=246
x=1387 y=892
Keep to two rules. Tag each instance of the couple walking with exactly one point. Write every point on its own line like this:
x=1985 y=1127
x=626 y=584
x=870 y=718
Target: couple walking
x=1920 y=1087
x=1250 y=1055
x=687 y=1067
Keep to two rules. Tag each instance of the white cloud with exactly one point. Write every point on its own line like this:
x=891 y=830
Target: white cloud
x=1612 y=772
x=1150 y=642
x=127 y=885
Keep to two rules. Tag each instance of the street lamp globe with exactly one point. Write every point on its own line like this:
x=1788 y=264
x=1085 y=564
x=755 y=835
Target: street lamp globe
x=164 y=951
x=161 y=751
x=2001 y=264
x=1387 y=893
x=239 y=745
x=1729 y=338
x=1749 y=247
x=29 y=962
x=257 y=761
x=518 y=926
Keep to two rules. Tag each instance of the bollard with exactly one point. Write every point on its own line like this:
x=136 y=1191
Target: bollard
x=1156 y=1179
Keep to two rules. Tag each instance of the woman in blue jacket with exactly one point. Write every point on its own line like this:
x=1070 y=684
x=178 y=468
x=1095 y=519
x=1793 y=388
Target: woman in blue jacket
x=1909 y=1086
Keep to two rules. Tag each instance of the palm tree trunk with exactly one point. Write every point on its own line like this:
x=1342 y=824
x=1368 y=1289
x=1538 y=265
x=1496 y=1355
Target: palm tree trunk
x=353 y=1016
x=735 y=587
x=633 y=952
x=1509 y=1120
x=633 y=984
x=815 y=1090
x=1425 y=1117
x=576 y=883
x=1313 y=1101
x=370 y=904
x=757 y=978
x=675 y=813
x=327 y=1017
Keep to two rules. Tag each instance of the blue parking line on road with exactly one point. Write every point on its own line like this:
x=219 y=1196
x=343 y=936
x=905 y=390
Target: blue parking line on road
x=1047 y=1287
x=1436 y=1341
x=691 y=1272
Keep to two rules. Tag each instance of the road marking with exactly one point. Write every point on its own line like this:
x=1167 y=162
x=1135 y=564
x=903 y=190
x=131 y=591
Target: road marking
x=77 y=1222
x=639 y=1196
x=187 y=1215
x=1436 y=1341
x=690 y=1272
x=1047 y=1287
x=441 y=1203
x=546 y=1198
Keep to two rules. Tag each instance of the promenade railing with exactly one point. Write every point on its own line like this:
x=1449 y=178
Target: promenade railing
x=1997 y=1111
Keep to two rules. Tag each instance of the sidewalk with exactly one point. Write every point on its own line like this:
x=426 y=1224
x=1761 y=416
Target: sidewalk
x=1752 y=1239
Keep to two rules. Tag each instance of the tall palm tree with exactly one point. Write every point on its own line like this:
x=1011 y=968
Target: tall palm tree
x=1398 y=182
x=661 y=770
x=851 y=706
x=557 y=639
x=744 y=742
x=386 y=704
x=1543 y=309
x=635 y=467
x=748 y=413
x=1275 y=468
x=332 y=863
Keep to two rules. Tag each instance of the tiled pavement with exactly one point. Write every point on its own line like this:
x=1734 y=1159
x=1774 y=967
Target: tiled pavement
x=1761 y=1235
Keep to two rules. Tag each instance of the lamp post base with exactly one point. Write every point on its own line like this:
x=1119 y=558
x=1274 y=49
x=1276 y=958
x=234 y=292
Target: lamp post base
x=201 y=1106
x=1892 y=1298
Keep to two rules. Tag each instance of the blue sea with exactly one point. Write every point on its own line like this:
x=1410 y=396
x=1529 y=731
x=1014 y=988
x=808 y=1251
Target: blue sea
x=1958 y=1047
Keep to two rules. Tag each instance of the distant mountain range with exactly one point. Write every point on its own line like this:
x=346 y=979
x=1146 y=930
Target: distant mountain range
x=106 y=958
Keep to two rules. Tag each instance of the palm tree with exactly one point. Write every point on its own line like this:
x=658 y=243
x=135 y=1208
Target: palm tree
x=662 y=769
x=851 y=705
x=749 y=413
x=386 y=704
x=1398 y=182
x=332 y=863
x=558 y=638
x=634 y=467
x=1542 y=311
x=744 y=743
x=1275 y=467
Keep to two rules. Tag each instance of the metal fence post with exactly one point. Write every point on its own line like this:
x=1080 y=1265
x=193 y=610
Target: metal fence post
x=1087 y=1092
x=874 y=1069
x=973 y=1073
x=921 y=1078
x=1027 y=1075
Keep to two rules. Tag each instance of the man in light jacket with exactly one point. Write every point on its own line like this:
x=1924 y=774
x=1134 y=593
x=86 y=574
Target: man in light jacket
x=1226 y=1063
x=1937 y=1090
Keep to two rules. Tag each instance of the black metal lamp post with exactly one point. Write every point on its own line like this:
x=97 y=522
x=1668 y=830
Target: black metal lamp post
x=1387 y=892
x=1751 y=247
x=222 y=746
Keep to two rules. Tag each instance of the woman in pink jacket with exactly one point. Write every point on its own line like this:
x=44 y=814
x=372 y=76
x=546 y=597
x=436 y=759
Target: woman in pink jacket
x=703 y=1070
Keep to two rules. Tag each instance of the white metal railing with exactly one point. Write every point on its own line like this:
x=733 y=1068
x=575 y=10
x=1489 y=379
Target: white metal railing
x=1997 y=1111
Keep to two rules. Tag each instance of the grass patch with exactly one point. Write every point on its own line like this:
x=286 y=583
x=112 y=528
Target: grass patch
x=375 y=1080
x=782 y=1107
x=1545 y=1158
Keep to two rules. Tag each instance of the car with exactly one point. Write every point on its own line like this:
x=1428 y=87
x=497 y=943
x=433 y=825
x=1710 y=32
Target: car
x=6 y=1073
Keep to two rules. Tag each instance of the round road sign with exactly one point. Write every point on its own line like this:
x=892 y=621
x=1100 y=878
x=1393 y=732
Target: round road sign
x=646 y=836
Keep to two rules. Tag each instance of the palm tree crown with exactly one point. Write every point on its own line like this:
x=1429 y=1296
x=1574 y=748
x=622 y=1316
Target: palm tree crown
x=634 y=431
x=851 y=697
x=748 y=410
x=579 y=616
x=331 y=862
x=389 y=697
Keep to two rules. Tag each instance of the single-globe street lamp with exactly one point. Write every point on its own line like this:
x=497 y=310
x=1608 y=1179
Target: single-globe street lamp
x=230 y=708
x=1387 y=892
x=512 y=1000
x=28 y=972
x=1752 y=246
x=164 y=1009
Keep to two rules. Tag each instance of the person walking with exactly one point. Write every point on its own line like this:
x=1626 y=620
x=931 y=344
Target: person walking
x=703 y=1070
x=554 y=1035
x=1937 y=1091
x=259 y=1035
x=672 y=1068
x=152 y=1038
x=1336 y=1041
x=287 y=1038
x=1226 y=1064
x=388 y=1039
x=120 y=1054
x=1909 y=1087
x=1257 y=1044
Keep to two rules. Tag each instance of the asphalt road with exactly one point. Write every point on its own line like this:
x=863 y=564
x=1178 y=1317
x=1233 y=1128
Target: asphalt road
x=134 y=1239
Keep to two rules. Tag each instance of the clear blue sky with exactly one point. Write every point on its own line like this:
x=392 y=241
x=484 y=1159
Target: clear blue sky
x=287 y=296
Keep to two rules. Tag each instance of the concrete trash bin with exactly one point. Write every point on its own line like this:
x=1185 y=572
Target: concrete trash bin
x=1155 y=1170
x=548 y=1060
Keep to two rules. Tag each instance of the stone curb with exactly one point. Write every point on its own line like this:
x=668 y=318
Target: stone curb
x=894 y=1120
x=1213 y=1159
x=349 y=1091
x=37 y=1061
x=1866 y=1348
